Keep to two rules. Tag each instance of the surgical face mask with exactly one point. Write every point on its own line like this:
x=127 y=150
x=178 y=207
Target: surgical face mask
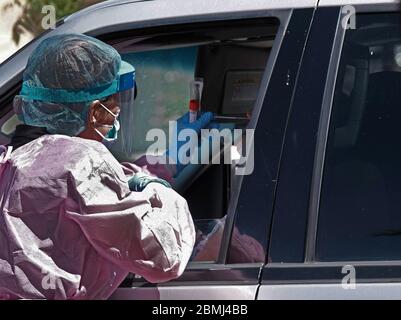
x=112 y=135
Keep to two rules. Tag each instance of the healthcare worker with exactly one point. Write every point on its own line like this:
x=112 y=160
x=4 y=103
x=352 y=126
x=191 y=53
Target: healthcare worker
x=70 y=225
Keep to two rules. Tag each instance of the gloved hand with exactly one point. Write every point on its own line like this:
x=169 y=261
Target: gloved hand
x=140 y=180
x=202 y=122
x=183 y=123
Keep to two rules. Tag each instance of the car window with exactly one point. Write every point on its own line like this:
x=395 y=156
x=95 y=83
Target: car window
x=360 y=205
x=231 y=61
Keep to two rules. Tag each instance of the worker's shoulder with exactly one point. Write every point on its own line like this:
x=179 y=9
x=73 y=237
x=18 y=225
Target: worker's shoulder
x=67 y=143
x=57 y=153
x=57 y=144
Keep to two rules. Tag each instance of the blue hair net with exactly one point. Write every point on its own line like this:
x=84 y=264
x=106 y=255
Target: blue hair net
x=64 y=75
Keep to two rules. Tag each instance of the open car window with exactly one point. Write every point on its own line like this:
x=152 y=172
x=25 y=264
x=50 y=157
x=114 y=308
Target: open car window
x=231 y=59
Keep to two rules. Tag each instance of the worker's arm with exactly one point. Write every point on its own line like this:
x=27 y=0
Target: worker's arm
x=149 y=233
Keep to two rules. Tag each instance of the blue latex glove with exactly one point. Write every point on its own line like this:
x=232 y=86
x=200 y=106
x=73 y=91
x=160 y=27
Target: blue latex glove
x=183 y=123
x=140 y=180
x=201 y=123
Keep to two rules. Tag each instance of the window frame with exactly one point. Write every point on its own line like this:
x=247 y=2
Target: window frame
x=206 y=273
x=290 y=217
x=286 y=67
x=220 y=272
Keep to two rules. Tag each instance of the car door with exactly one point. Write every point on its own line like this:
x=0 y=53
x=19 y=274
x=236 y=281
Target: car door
x=234 y=272
x=336 y=224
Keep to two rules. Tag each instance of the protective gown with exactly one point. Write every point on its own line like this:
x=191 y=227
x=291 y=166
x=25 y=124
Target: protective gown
x=70 y=228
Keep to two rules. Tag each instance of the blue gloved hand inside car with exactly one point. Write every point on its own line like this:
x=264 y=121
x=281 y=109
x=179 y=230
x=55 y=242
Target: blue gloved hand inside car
x=195 y=129
x=201 y=123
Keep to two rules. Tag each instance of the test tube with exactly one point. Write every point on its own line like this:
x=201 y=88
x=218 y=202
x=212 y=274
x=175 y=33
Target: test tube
x=195 y=94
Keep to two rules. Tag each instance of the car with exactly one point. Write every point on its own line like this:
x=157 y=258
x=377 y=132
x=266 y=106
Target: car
x=317 y=216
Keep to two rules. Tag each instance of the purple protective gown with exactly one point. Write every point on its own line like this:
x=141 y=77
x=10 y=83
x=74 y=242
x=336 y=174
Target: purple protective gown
x=70 y=228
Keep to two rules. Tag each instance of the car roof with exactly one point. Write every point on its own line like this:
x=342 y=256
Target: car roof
x=115 y=15
x=144 y=10
x=179 y=7
x=110 y=16
x=323 y=3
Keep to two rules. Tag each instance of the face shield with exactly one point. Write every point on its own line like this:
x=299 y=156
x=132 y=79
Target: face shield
x=123 y=147
x=64 y=110
x=125 y=100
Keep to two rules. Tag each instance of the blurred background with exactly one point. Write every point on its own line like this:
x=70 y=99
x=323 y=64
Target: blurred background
x=20 y=20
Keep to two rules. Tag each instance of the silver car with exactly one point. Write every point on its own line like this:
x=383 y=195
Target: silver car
x=316 y=214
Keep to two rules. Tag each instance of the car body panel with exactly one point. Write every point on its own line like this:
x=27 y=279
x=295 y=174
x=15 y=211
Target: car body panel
x=362 y=291
x=325 y=3
x=205 y=292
